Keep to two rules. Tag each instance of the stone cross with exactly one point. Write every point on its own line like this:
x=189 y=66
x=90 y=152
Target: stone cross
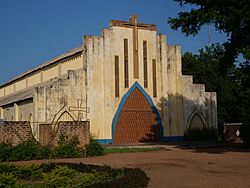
x=135 y=26
x=79 y=109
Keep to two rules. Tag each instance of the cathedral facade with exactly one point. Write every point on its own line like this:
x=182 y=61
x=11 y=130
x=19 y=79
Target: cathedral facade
x=127 y=82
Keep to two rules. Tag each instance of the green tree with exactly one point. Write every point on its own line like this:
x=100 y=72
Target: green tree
x=231 y=17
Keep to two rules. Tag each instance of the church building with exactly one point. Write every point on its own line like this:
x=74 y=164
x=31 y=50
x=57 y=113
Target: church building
x=127 y=82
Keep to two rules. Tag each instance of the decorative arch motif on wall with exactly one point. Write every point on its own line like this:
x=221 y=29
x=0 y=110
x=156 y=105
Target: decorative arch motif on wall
x=123 y=101
x=193 y=115
x=59 y=116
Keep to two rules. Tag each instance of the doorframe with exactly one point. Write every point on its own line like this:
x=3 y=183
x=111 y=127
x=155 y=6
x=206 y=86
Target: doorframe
x=123 y=101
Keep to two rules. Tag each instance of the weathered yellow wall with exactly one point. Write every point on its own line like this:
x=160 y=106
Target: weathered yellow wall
x=100 y=67
x=171 y=101
x=1 y=92
x=20 y=84
x=9 y=89
x=26 y=110
x=1 y=113
x=73 y=63
x=8 y=113
x=50 y=73
x=96 y=84
x=34 y=79
x=59 y=95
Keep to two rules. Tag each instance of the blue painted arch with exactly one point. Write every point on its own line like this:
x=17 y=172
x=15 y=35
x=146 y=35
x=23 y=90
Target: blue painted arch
x=123 y=101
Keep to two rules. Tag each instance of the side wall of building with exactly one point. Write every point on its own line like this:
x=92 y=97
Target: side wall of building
x=56 y=70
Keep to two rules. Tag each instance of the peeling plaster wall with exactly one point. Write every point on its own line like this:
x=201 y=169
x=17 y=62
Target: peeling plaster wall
x=59 y=93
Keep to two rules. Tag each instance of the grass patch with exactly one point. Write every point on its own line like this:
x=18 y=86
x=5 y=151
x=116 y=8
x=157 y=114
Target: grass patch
x=129 y=150
x=70 y=175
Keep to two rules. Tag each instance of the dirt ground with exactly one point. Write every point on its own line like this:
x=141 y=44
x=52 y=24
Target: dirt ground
x=178 y=167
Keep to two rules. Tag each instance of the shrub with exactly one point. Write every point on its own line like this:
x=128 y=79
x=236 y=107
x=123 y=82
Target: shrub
x=26 y=150
x=5 y=151
x=94 y=148
x=45 y=152
x=87 y=179
x=7 y=180
x=197 y=134
x=61 y=176
x=31 y=149
x=68 y=147
x=245 y=133
x=71 y=175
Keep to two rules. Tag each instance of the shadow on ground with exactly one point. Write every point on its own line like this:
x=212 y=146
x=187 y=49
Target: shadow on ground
x=212 y=147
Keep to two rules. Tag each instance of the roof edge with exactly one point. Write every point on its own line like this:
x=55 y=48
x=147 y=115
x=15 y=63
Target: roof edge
x=45 y=64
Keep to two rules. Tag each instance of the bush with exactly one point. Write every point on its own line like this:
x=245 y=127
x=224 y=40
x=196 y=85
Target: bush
x=5 y=151
x=94 y=148
x=29 y=150
x=26 y=150
x=7 y=180
x=68 y=147
x=197 y=134
x=71 y=175
x=45 y=152
x=61 y=176
x=245 y=133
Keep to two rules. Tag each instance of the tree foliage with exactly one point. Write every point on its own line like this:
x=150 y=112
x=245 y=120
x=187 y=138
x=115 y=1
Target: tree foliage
x=231 y=17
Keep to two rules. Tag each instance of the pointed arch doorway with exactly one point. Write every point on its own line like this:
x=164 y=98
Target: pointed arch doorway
x=137 y=119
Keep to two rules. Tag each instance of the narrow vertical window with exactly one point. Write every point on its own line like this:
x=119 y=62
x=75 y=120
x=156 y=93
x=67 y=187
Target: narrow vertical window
x=154 y=78
x=126 y=63
x=116 y=76
x=145 y=70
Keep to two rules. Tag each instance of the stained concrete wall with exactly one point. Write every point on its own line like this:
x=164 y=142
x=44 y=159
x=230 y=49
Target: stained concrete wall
x=197 y=100
x=8 y=112
x=53 y=99
x=26 y=110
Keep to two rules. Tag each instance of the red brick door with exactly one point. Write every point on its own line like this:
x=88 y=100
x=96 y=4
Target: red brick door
x=137 y=121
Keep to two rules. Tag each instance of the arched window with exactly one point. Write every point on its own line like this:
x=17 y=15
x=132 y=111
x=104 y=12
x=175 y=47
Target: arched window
x=196 y=122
